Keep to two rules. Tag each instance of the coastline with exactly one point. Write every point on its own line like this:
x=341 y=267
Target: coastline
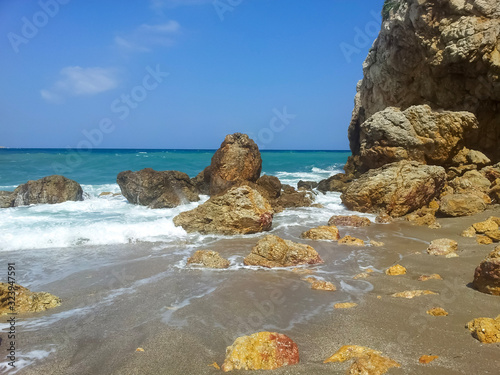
x=184 y=318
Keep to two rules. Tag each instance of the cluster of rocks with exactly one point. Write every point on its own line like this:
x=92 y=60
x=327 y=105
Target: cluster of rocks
x=486 y=232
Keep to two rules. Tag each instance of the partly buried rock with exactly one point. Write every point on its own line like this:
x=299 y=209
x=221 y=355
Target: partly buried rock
x=437 y=311
x=351 y=241
x=241 y=210
x=349 y=221
x=238 y=159
x=486 y=330
x=442 y=246
x=25 y=300
x=261 y=351
x=412 y=293
x=322 y=232
x=318 y=284
x=461 y=204
x=487 y=274
x=396 y=188
x=273 y=251
x=207 y=258
x=367 y=361
x=157 y=189
x=51 y=189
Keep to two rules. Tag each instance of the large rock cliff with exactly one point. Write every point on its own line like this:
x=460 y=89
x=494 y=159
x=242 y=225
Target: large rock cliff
x=440 y=53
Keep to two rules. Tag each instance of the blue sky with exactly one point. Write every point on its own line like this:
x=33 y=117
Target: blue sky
x=181 y=73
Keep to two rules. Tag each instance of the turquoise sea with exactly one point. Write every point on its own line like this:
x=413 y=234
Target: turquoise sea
x=111 y=220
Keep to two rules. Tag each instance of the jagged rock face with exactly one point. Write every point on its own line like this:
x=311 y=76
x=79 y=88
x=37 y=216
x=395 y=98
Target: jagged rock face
x=157 y=189
x=418 y=133
x=238 y=159
x=396 y=188
x=47 y=190
x=445 y=54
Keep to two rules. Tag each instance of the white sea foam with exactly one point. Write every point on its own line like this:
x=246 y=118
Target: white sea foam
x=24 y=360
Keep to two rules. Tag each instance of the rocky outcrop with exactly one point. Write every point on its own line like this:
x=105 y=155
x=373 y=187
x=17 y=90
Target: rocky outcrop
x=443 y=54
x=273 y=251
x=487 y=274
x=209 y=259
x=322 y=232
x=418 y=134
x=47 y=190
x=157 y=189
x=396 y=188
x=486 y=330
x=238 y=159
x=241 y=210
x=6 y=199
x=202 y=181
x=349 y=221
x=270 y=186
x=25 y=300
x=261 y=351
x=306 y=185
x=338 y=182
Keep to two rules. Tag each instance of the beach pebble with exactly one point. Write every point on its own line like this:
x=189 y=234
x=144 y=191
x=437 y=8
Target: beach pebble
x=261 y=351
x=425 y=359
x=442 y=246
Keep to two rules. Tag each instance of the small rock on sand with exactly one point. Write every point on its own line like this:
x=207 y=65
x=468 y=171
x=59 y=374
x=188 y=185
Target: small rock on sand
x=412 y=293
x=396 y=270
x=437 y=311
x=351 y=241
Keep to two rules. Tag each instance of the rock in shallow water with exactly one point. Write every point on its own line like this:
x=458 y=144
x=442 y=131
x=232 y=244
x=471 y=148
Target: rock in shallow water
x=157 y=189
x=322 y=233
x=273 y=251
x=241 y=210
x=261 y=351
x=47 y=190
x=207 y=258
x=349 y=221
x=26 y=300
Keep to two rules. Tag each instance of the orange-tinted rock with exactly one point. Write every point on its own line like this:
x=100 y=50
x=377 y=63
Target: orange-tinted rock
x=383 y=218
x=261 y=351
x=425 y=359
x=351 y=241
x=362 y=275
x=25 y=300
x=396 y=270
x=349 y=221
x=487 y=274
x=486 y=330
x=348 y=352
x=323 y=232
x=485 y=226
x=238 y=159
x=434 y=276
x=318 y=284
x=483 y=240
x=412 y=293
x=345 y=305
x=207 y=258
x=273 y=251
x=442 y=246
x=437 y=311
x=494 y=235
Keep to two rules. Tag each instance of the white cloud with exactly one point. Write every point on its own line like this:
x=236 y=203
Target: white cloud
x=77 y=81
x=146 y=36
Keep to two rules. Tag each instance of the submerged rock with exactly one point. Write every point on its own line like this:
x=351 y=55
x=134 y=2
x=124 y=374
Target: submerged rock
x=434 y=276
x=442 y=246
x=237 y=159
x=25 y=300
x=261 y=351
x=322 y=233
x=157 y=189
x=207 y=258
x=345 y=305
x=318 y=284
x=273 y=251
x=47 y=190
x=396 y=188
x=412 y=293
x=241 y=210
x=487 y=274
x=349 y=221
x=486 y=330
x=351 y=241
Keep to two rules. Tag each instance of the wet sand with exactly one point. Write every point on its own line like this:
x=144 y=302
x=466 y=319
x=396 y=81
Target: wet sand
x=184 y=318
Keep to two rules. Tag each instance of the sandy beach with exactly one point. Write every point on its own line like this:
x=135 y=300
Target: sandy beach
x=184 y=318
